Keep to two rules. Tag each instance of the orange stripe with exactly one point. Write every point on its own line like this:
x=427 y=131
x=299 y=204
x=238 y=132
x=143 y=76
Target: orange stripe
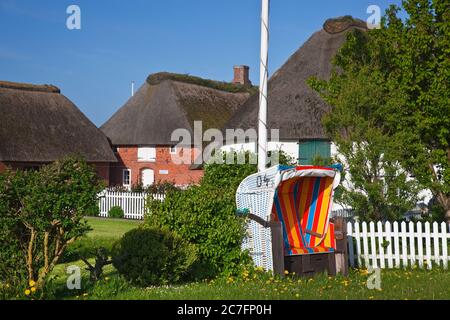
x=308 y=193
x=288 y=214
x=324 y=213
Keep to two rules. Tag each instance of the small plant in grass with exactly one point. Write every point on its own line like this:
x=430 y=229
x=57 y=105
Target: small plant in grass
x=153 y=256
x=101 y=260
x=116 y=213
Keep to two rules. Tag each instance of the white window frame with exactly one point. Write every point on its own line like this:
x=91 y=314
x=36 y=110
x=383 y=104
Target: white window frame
x=149 y=149
x=123 y=178
x=174 y=149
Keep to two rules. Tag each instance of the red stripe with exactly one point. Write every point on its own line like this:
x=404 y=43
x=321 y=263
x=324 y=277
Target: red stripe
x=299 y=198
x=318 y=209
x=313 y=168
x=332 y=236
x=309 y=190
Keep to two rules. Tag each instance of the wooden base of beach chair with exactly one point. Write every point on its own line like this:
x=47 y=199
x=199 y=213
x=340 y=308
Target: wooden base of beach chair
x=311 y=264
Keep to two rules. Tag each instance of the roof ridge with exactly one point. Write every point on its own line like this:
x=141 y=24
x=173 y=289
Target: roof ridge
x=29 y=87
x=343 y=23
x=159 y=77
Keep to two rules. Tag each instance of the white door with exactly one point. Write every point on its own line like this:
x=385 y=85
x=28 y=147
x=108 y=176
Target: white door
x=148 y=177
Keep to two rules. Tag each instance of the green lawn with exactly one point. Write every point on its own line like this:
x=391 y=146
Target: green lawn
x=110 y=228
x=105 y=232
x=395 y=284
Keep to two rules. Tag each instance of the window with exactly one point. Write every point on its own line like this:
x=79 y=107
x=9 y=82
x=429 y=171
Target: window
x=147 y=154
x=173 y=150
x=127 y=178
x=309 y=151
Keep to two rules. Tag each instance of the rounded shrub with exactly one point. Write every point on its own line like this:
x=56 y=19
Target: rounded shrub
x=116 y=213
x=153 y=256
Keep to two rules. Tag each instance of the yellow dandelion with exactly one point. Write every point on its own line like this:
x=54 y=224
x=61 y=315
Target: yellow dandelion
x=27 y=292
x=33 y=289
x=32 y=283
x=286 y=272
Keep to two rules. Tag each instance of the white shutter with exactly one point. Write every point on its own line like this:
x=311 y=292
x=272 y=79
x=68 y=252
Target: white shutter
x=147 y=154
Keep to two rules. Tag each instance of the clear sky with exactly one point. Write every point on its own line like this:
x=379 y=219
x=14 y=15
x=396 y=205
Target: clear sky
x=125 y=40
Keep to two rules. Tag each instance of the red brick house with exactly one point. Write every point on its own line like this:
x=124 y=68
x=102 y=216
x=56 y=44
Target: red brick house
x=38 y=125
x=141 y=130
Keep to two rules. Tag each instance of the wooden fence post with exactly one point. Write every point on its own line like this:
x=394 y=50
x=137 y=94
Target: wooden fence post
x=342 y=259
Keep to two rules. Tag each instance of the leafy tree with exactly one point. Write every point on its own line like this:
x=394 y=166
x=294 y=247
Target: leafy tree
x=44 y=212
x=390 y=100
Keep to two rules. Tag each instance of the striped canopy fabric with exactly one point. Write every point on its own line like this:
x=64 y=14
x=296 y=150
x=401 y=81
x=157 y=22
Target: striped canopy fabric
x=303 y=205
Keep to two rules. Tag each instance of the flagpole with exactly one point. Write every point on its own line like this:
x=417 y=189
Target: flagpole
x=264 y=77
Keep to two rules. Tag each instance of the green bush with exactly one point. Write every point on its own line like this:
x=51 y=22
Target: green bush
x=93 y=212
x=116 y=213
x=153 y=256
x=13 y=270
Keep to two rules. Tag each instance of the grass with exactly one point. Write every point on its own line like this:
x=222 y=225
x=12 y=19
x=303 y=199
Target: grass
x=395 y=284
x=110 y=228
x=255 y=285
x=104 y=233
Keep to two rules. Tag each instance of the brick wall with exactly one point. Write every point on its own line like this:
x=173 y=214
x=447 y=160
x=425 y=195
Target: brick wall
x=102 y=170
x=180 y=174
x=2 y=167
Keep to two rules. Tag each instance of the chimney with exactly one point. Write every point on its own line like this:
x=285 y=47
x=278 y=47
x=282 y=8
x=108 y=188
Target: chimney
x=241 y=75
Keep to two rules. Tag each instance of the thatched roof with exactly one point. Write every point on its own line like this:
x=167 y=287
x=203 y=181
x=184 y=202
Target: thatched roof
x=38 y=124
x=293 y=107
x=167 y=102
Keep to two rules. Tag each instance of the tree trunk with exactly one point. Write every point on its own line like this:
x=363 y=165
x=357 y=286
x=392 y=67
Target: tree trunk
x=447 y=216
x=30 y=255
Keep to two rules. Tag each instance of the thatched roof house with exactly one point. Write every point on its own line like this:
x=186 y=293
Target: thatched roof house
x=40 y=125
x=293 y=107
x=167 y=102
x=141 y=131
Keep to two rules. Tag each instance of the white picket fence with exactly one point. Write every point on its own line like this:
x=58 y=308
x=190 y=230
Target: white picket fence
x=398 y=245
x=132 y=204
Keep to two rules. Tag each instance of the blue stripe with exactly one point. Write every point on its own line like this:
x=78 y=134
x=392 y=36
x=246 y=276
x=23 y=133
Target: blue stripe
x=312 y=209
x=280 y=218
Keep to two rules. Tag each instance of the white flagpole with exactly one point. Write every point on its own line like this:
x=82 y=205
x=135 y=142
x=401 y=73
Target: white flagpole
x=264 y=77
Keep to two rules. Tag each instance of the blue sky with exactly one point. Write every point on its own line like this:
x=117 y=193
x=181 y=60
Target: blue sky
x=121 y=41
